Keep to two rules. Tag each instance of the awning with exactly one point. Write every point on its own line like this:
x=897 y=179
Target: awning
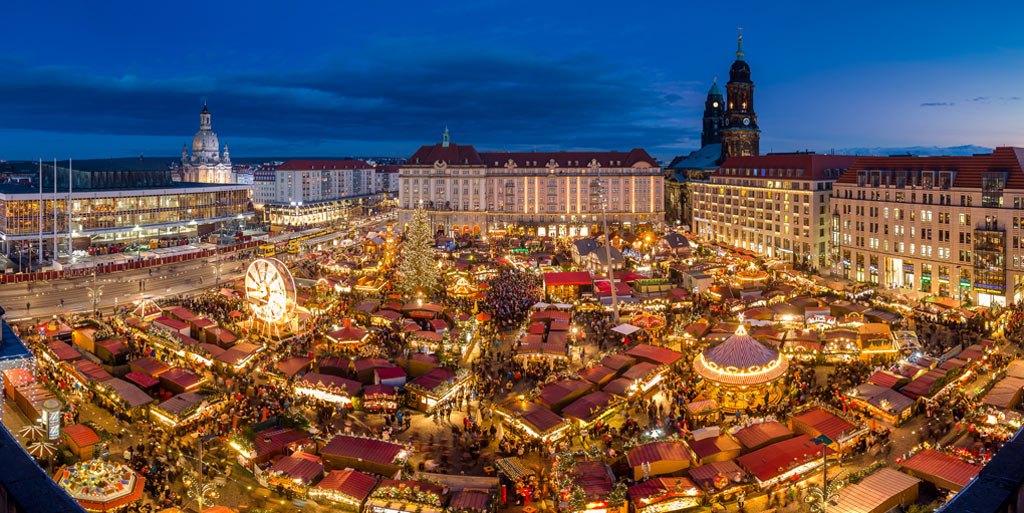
x=625 y=329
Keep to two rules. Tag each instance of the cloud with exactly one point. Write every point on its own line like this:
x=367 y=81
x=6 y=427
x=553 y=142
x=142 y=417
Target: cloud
x=938 y=104
x=488 y=98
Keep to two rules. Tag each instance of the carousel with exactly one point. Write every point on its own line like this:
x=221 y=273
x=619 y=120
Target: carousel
x=741 y=372
x=101 y=485
x=653 y=324
x=752 y=276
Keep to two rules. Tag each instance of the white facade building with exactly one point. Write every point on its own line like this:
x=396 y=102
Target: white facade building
x=547 y=193
x=776 y=205
x=934 y=226
x=310 y=192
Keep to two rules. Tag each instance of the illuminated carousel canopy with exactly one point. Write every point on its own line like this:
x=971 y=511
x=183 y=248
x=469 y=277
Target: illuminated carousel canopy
x=741 y=361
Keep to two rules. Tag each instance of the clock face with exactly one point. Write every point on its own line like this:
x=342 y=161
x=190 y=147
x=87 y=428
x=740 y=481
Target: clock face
x=746 y=121
x=714 y=104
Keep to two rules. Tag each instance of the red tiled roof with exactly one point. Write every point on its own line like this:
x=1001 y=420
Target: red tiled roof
x=389 y=372
x=594 y=478
x=661 y=487
x=149 y=365
x=655 y=354
x=275 y=439
x=658 y=451
x=351 y=483
x=63 y=351
x=184 y=378
x=453 y=155
x=350 y=387
x=567 y=278
x=472 y=500
x=704 y=475
x=370 y=363
x=301 y=466
x=825 y=422
x=943 y=466
x=554 y=393
x=757 y=435
x=595 y=374
x=812 y=165
x=374 y=390
x=313 y=165
x=607 y=159
x=434 y=378
x=82 y=435
x=968 y=170
x=347 y=334
x=711 y=446
x=142 y=380
x=374 y=451
x=292 y=366
x=765 y=463
x=588 y=407
x=617 y=362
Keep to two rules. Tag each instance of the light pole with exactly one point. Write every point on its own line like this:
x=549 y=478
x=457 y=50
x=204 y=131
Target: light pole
x=603 y=191
x=820 y=498
x=95 y=293
x=195 y=488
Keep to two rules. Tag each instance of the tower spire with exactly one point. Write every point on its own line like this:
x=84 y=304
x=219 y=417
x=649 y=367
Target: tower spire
x=446 y=139
x=739 y=44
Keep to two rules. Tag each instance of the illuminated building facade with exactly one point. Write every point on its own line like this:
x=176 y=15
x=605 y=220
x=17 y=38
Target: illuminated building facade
x=776 y=205
x=206 y=164
x=314 y=192
x=943 y=226
x=114 y=201
x=547 y=193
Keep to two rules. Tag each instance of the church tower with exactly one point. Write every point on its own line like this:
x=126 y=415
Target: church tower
x=714 y=116
x=206 y=164
x=741 y=136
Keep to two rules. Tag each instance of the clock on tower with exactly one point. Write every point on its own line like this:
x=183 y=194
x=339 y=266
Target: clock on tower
x=741 y=136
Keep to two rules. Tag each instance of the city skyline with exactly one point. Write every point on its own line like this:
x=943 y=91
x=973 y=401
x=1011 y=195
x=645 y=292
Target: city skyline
x=502 y=76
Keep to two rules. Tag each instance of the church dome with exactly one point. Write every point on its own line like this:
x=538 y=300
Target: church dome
x=741 y=360
x=740 y=71
x=205 y=141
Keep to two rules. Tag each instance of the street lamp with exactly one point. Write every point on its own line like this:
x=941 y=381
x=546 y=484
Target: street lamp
x=819 y=498
x=95 y=292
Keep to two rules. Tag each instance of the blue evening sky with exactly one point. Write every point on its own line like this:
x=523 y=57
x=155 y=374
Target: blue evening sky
x=110 y=78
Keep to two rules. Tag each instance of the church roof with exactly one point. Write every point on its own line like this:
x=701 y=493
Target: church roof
x=704 y=158
x=714 y=91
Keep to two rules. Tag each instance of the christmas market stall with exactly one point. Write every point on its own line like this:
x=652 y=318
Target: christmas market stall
x=659 y=458
x=437 y=386
x=295 y=472
x=365 y=454
x=783 y=460
x=346 y=489
x=942 y=470
x=332 y=389
x=124 y=397
x=380 y=398
x=180 y=410
x=82 y=440
x=665 y=495
x=395 y=496
x=471 y=500
x=101 y=486
x=885 y=490
x=533 y=420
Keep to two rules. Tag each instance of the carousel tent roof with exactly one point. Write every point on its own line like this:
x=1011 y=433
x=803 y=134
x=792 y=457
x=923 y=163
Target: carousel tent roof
x=741 y=360
x=626 y=329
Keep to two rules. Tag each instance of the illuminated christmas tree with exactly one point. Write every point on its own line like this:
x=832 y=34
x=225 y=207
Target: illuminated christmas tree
x=417 y=268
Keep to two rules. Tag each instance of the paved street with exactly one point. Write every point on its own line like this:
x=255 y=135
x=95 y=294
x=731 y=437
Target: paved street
x=117 y=288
